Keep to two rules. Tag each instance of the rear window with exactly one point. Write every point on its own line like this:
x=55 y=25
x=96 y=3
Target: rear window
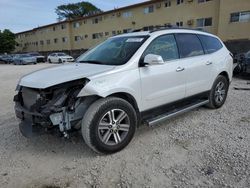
x=189 y=45
x=210 y=44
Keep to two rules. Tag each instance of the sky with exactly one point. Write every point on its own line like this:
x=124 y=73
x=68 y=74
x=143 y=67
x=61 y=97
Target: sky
x=21 y=15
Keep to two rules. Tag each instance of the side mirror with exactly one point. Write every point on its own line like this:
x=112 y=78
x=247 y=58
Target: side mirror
x=152 y=59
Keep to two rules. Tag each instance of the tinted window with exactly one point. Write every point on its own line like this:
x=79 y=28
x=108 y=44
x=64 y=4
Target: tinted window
x=189 y=45
x=210 y=44
x=165 y=46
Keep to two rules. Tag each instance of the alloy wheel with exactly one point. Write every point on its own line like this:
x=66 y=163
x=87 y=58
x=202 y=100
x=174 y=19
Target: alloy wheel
x=113 y=127
x=220 y=92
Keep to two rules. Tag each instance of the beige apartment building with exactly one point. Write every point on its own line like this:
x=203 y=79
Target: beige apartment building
x=229 y=19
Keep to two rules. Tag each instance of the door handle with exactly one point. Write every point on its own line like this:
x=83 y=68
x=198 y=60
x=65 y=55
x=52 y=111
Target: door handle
x=179 y=69
x=209 y=63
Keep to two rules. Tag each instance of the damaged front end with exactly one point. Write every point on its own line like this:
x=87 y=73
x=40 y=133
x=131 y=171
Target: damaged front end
x=41 y=110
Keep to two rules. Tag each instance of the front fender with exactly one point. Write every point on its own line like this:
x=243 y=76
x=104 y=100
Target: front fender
x=122 y=82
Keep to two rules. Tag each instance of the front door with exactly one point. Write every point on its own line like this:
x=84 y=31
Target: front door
x=164 y=83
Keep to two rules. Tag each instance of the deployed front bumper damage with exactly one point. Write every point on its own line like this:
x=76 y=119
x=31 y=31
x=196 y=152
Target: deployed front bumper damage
x=40 y=111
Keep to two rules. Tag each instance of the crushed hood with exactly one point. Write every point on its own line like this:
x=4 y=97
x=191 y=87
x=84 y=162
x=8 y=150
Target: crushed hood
x=48 y=77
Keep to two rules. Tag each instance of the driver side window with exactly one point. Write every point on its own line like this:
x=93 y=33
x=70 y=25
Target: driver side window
x=165 y=46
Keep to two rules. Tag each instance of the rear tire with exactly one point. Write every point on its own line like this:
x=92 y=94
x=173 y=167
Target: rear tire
x=109 y=125
x=218 y=93
x=49 y=61
x=60 y=61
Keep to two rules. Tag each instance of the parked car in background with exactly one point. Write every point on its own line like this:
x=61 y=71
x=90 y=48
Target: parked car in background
x=24 y=59
x=243 y=63
x=6 y=59
x=60 y=58
x=39 y=58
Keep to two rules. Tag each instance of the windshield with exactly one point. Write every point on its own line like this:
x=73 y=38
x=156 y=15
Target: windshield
x=61 y=54
x=114 y=51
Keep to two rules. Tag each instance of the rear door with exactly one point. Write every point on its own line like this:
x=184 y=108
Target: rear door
x=197 y=65
x=215 y=56
x=164 y=83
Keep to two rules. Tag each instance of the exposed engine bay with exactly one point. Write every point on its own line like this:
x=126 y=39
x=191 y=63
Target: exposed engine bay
x=56 y=106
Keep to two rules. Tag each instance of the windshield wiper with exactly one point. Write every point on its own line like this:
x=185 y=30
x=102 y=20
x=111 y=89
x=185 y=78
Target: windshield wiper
x=92 y=61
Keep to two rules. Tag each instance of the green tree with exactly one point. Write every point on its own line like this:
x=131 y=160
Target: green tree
x=7 y=41
x=76 y=10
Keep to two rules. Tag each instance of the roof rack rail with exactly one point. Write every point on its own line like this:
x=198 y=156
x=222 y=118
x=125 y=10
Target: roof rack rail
x=155 y=28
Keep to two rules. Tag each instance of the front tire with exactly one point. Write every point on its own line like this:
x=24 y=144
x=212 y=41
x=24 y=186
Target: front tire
x=218 y=93
x=109 y=125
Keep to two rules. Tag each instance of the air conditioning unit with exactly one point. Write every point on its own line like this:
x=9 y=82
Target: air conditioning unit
x=118 y=14
x=190 y=22
x=158 y=5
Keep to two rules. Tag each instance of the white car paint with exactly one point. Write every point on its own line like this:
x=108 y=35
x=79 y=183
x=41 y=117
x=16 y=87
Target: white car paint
x=61 y=74
x=151 y=86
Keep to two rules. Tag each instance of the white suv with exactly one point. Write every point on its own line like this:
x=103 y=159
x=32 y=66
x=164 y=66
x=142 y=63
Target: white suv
x=128 y=79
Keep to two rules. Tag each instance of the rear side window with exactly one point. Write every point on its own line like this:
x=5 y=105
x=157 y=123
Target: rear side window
x=189 y=45
x=210 y=44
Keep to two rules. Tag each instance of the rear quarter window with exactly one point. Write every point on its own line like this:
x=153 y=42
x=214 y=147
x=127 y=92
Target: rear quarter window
x=210 y=44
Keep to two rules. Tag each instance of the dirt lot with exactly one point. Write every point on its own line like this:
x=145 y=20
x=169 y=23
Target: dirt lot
x=202 y=148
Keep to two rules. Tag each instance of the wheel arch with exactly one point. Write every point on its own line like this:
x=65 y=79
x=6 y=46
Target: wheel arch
x=129 y=98
x=225 y=74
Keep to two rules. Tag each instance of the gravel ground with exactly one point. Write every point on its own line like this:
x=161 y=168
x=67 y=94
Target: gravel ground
x=202 y=148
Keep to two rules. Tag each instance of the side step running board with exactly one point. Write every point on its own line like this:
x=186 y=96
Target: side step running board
x=168 y=115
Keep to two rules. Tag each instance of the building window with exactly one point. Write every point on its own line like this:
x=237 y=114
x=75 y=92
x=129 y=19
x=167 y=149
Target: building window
x=55 y=40
x=48 y=42
x=76 y=24
x=204 y=22
x=179 y=2
x=126 y=14
x=148 y=28
x=41 y=42
x=64 y=39
x=149 y=9
x=95 y=21
x=113 y=33
x=106 y=33
x=54 y=28
x=97 y=35
x=179 y=24
x=167 y=3
x=78 y=38
x=127 y=30
x=203 y=1
x=240 y=17
x=63 y=26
